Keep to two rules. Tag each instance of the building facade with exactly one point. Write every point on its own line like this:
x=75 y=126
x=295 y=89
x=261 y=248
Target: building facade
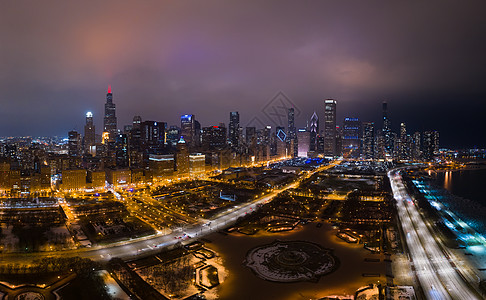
x=330 y=127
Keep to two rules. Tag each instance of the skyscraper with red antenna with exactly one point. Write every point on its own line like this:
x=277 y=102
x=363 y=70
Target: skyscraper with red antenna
x=109 y=121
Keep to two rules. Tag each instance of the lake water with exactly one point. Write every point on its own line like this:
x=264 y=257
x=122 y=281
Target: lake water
x=241 y=283
x=469 y=184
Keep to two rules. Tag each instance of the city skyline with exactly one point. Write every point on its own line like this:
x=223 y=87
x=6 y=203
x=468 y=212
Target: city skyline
x=162 y=67
x=242 y=150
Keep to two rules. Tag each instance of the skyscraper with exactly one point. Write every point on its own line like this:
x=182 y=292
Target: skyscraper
x=368 y=149
x=173 y=135
x=416 y=151
x=330 y=127
x=351 y=137
x=121 y=146
x=250 y=133
x=265 y=135
x=430 y=145
x=109 y=122
x=188 y=128
x=135 y=143
x=314 y=130
x=137 y=121
x=404 y=151
x=387 y=133
x=74 y=143
x=213 y=137
x=303 y=140
x=182 y=158
x=291 y=131
x=234 y=125
x=153 y=136
x=197 y=133
x=89 y=133
x=280 y=142
x=339 y=141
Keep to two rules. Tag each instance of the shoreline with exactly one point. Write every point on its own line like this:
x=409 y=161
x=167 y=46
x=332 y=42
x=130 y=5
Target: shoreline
x=466 y=168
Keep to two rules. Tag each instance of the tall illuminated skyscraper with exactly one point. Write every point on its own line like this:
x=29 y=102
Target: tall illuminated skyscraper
x=214 y=137
x=368 y=149
x=234 y=125
x=182 y=157
x=387 y=133
x=351 y=137
x=109 y=122
x=122 y=152
x=314 y=130
x=404 y=149
x=173 y=135
x=188 y=129
x=74 y=143
x=291 y=131
x=135 y=141
x=330 y=127
x=430 y=144
x=89 y=133
x=416 y=151
x=303 y=140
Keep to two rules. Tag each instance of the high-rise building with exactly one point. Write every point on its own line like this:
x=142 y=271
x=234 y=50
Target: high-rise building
x=314 y=130
x=291 y=131
x=339 y=141
x=330 y=128
x=182 y=157
x=264 y=135
x=403 y=131
x=173 y=135
x=250 y=133
x=137 y=122
x=368 y=149
x=162 y=164
x=89 y=134
x=135 y=143
x=416 y=152
x=394 y=143
x=303 y=140
x=386 y=131
x=197 y=163
x=280 y=142
x=121 y=150
x=136 y=134
x=153 y=136
x=404 y=150
x=320 y=143
x=127 y=128
x=379 y=146
x=109 y=121
x=213 y=137
x=234 y=125
x=74 y=143
x=197 y=133
x=73 y=179
x=351 y=137
x=430 y=144
x=188 y=129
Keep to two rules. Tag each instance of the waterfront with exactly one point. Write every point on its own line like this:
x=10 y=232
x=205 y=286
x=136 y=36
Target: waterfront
x=468 y=184
x=243 y=284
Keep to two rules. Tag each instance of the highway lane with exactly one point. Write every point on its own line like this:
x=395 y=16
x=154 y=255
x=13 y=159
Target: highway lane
x=436 y=274
x=131 y=249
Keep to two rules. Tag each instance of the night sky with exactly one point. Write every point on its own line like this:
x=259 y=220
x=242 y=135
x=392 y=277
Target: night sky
x=427 y=59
